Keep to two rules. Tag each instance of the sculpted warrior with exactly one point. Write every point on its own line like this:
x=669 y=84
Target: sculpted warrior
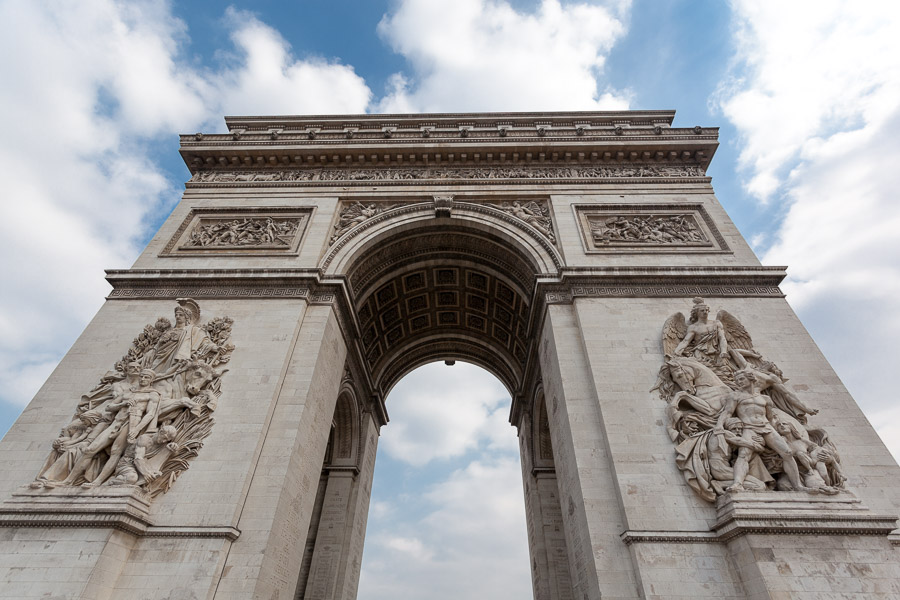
x=735 y=423
x=755 y=412
x=134 y=468
x=186 y=340
x=136 y=413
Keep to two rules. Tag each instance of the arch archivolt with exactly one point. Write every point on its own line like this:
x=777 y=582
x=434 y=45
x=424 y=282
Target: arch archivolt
x=469 y=216
x=426 y=286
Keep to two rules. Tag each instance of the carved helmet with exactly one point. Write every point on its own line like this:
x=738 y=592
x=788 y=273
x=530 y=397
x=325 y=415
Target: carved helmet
x=191 y=307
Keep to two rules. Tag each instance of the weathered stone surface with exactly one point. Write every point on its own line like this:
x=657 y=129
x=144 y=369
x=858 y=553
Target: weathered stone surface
x=552 y=262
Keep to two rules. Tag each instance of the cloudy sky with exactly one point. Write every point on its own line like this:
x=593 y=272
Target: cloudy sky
x=807 y=95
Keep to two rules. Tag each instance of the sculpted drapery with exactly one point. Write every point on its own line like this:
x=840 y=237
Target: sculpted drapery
x=735 y=423
x=146 y=418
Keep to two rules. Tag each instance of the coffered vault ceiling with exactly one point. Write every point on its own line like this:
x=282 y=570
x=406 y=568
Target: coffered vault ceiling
x=445 y=294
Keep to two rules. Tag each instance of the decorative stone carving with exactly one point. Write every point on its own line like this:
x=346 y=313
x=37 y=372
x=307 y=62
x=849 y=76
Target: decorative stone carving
x=354 y=214
x=145 y=420
x=608 y=228
x=239 y=233
x=662 y=230
x=736 y=424
x=443 y=173
x=535 y=214
x=443 y=206
x=223 y=231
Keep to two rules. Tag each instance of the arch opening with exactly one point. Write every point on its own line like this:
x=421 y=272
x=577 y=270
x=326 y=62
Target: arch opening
x=447 y=511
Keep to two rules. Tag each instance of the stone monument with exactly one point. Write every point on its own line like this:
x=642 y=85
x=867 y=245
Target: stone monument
x=314 y=261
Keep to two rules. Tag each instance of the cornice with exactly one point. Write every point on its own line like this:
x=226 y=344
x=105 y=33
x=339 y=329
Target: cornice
x=571 y=281
x=601 y=282
x=467 y=139
x=510 y=118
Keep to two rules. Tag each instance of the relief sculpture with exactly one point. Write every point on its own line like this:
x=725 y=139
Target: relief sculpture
x=354 y=214
x=533 y=213
x=735 y=423
x=651 y=229
x=145 y=420
x=238 y=233
x=445 y=173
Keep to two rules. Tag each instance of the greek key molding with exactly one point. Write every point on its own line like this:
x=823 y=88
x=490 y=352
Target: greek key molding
x=669 y=537
x=237 y=292
x=815 y=523
x=133 y=524
x=652 y=290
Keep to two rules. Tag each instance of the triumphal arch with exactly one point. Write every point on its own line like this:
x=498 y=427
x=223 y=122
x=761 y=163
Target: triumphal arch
x=212 y=433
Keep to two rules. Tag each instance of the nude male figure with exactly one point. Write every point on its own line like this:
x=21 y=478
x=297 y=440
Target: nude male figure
x=755 y=412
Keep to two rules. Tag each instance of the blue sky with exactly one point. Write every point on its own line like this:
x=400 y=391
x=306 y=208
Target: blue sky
x=807 y=96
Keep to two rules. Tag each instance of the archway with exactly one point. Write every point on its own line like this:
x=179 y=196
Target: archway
x=447 y=516
x=456 y=284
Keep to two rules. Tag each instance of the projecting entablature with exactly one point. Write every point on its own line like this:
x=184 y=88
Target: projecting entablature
x=590 y=144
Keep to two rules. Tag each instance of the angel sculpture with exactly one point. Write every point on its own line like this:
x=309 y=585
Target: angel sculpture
x=533 y=214
x=353 y=215
x=736 y=424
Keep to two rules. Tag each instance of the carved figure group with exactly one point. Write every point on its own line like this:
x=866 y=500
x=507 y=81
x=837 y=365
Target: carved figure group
x=534 y=214
x=735 y=423
x=441 y=173
x=243 y=232
x=669 y=229
x=145 y=419
x=354 y=214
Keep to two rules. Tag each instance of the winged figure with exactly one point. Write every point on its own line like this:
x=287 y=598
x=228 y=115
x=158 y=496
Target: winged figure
x=353 y=215
x=735 y=422
x=534 y=214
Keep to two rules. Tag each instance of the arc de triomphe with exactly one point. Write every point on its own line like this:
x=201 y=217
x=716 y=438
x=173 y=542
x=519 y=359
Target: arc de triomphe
x=212 y=433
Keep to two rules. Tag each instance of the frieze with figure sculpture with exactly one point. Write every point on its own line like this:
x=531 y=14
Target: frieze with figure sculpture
x=147 y=418
x=736 y=424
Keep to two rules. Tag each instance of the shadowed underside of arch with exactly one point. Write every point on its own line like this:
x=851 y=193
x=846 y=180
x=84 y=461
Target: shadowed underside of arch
x=442 y=290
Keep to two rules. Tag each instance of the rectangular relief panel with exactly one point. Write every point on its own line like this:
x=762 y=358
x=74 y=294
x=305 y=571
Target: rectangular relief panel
x=648 y=228
x=257 y=231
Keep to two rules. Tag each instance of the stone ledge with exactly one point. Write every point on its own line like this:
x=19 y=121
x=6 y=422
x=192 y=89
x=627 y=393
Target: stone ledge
x=679 y=537
x=123 y=508
x=779 y=513
x=797 y=513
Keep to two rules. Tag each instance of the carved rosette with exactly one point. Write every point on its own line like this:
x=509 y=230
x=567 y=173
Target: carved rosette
x=736 y=424
x=145 y=420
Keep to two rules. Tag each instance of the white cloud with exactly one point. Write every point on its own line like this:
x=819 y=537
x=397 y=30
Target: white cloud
x=810 y=70
x=471 y=55
x=817 y=102
x=471 y=543
x=447 y=411
x=462 y=535
x=268 y=80
x=89 y=87
x=887 y=424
